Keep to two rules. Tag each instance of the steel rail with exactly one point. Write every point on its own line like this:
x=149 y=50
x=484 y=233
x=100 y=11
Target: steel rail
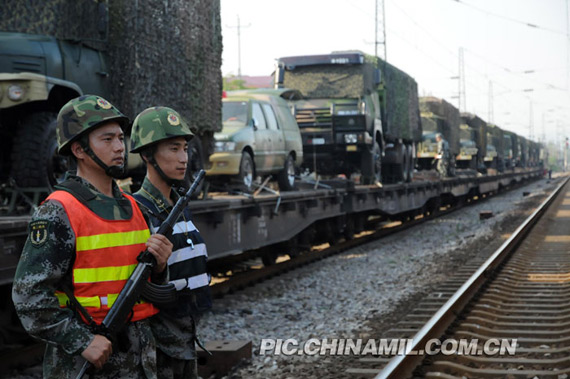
x=403 y=366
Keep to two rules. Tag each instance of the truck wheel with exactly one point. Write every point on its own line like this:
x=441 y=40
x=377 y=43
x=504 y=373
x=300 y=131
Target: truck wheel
x=246 y=172
x=404 y=171
x=286 y=177
x=411 y=162
x=371 y=166
x=195 y=164
x=35 y=162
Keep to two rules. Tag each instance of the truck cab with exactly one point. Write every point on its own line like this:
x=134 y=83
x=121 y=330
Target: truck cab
x=38 y=75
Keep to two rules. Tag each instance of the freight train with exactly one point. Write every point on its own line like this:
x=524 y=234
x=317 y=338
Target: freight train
x=370 y=134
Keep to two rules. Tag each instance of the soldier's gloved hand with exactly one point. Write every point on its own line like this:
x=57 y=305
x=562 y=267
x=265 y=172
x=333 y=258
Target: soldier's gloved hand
x=98 y=351
x=159 y=246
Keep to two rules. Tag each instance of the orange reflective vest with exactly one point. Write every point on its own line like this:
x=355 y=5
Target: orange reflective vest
x=105 y=256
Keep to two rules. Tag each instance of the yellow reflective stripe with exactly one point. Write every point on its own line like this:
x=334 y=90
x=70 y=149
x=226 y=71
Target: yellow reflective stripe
x=62 y=298
x=101 y=241
x=92 y=301
x=102 y=274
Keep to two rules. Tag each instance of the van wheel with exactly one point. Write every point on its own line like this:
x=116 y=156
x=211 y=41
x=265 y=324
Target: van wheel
x=246 y=172
x=286 y=177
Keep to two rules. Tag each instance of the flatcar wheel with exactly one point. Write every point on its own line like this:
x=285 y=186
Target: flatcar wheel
x=269 y=258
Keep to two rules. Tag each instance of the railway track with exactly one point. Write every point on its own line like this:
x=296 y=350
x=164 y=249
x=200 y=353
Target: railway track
x=251 y=276
x=518 y=299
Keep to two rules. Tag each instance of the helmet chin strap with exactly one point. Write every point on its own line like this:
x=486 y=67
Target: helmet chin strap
x=113 y=171
x=171 y=182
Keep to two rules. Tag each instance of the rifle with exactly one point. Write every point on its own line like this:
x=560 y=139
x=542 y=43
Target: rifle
x=138 y=283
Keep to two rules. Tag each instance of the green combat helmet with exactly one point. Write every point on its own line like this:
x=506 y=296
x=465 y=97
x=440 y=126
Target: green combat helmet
x=157 y=124
x=153 y=125
x=81 y=115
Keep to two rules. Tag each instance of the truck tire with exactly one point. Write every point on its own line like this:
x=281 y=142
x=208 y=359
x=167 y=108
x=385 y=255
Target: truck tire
x=411 y=162
x=371 y=165
x=35 y=162
x=286 y=177
x=404 y=171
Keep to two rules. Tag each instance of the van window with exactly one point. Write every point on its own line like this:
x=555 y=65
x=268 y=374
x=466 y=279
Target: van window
x=270 y=115
x=258 y=116
x=234 y=112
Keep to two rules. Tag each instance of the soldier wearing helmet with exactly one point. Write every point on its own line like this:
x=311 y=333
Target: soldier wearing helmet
x=82 y=245
x=443 y=156
x=161 y=136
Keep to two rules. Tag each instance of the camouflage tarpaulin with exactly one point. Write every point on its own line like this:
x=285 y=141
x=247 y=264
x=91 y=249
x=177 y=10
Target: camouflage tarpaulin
x=160 y=52
x=63 y=19
x=399 y=94
x=402 y=118
x=432 y=107
x=480 y=125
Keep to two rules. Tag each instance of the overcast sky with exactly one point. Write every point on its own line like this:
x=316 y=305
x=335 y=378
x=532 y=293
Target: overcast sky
x=520 y=46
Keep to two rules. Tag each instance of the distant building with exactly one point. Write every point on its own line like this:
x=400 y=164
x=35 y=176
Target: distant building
x=257 y=81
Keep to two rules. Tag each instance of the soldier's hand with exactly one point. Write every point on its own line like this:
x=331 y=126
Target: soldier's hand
x=98 y=351
x=159 y=246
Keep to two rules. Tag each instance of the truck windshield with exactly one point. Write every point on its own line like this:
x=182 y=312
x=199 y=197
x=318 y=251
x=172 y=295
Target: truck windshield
x=327 y=81
x=234 y=112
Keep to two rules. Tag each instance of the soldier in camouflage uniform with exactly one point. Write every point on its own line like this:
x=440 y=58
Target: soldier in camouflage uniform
x=161 y=136
x=443 y=156
x=82 y=246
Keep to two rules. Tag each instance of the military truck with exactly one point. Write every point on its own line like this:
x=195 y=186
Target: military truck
x=467 y=157
x=511 y=149
x=524 y=148
x=479 y=127
x=495 y=148
x=358 y=114
x=124 y=51
x=438 y=116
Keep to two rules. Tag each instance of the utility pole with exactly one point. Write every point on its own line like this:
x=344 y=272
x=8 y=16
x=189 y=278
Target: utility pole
x=462 y=98
x=491 y=110
x=239 y=27
x=382 y=22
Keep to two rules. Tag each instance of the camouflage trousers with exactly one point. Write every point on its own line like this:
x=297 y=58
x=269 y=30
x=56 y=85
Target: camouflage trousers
x=172 y=368
x=442 y=167
x=136 y=358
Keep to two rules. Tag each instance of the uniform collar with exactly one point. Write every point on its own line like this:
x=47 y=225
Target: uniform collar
x=117 y=194
x=160 y=201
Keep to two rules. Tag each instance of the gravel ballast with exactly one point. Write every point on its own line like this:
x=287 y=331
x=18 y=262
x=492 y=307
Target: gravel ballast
x=358 y=294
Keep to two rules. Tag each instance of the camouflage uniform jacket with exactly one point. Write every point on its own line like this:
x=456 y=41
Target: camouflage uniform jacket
x=443 y=149
x=174 y=326
x=44 y=265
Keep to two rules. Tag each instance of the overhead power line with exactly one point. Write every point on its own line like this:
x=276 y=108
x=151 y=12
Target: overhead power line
x=527 y=24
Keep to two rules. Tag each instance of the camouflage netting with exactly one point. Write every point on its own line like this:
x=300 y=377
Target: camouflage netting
x=328 y=81
x=495 y=138
x=400 y=121
x=480 y=126
x=161 y=52
x=448 y=116
x=64 y=19
x=401 y=103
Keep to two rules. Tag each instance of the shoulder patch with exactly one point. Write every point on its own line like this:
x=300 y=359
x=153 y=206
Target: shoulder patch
x=39 y=232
